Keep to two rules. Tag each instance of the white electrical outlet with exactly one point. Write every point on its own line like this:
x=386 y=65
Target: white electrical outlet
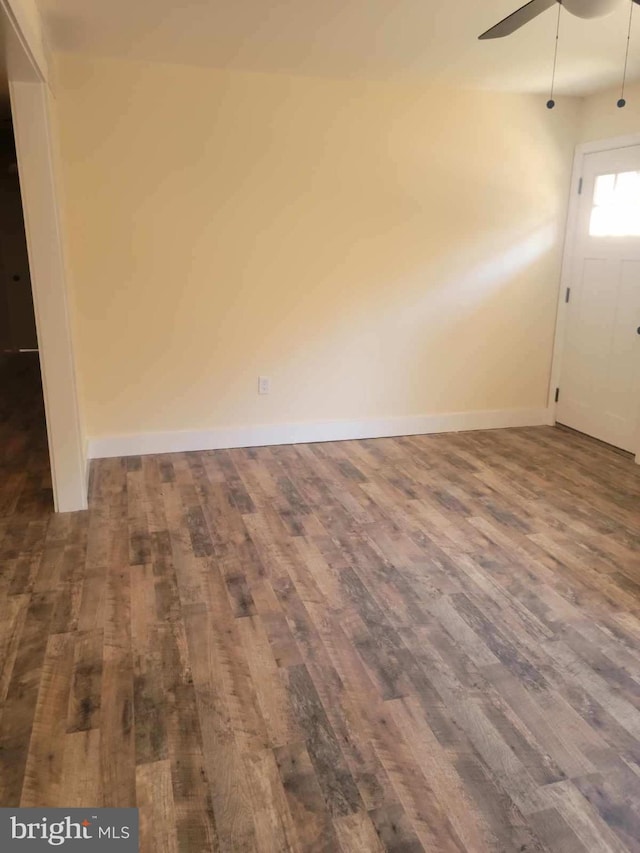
x=264 y=385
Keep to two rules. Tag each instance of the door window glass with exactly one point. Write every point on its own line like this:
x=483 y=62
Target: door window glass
x=616 y=206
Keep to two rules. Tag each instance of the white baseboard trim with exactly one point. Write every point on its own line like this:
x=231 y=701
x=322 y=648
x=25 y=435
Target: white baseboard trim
x=222 y=438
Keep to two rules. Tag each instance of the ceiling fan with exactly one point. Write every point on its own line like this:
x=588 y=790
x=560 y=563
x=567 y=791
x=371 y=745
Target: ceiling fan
x=580 y=8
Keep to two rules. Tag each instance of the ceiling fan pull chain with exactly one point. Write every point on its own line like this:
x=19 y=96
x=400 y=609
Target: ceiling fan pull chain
x=622 y=102
x=551 y=103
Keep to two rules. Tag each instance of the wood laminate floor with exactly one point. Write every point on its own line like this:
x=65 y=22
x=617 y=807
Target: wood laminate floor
x=406 y=644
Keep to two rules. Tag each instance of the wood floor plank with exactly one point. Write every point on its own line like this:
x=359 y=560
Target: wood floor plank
x=43 y=772
x=81 y=780
x=15 y=612
x=438 y=765
x=305 y=800
x=583 y=819
x=18 y=709
x=157 y=812
x=357 y=834
x=84 y=699
x=274 y=825
x=230 y=726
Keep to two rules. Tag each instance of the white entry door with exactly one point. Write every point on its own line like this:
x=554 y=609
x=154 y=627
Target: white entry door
x=599 y=390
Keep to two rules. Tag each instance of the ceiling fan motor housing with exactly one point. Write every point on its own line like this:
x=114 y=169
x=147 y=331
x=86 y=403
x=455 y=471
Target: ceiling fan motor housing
x=591 y=8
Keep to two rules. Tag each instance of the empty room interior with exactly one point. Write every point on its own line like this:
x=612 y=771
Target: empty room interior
x=320 y=426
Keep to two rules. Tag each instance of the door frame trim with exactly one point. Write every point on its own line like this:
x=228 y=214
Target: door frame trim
x=29 y=76
x=581 y=151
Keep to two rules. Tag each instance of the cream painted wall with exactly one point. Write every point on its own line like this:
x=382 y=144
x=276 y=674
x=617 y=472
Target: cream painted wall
x=377 y=250
x=602 y=119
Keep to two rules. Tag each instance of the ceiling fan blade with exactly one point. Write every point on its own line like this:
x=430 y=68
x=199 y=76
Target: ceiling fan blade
x=518 y=19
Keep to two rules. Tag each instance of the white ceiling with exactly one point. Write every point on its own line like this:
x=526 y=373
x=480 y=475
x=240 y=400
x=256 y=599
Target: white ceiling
x=371 y=39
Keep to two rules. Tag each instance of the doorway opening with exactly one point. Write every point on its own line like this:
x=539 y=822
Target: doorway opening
x=25 y=470
x=26 y=78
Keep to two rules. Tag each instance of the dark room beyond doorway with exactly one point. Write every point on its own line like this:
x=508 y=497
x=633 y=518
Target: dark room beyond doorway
x=25 y=476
